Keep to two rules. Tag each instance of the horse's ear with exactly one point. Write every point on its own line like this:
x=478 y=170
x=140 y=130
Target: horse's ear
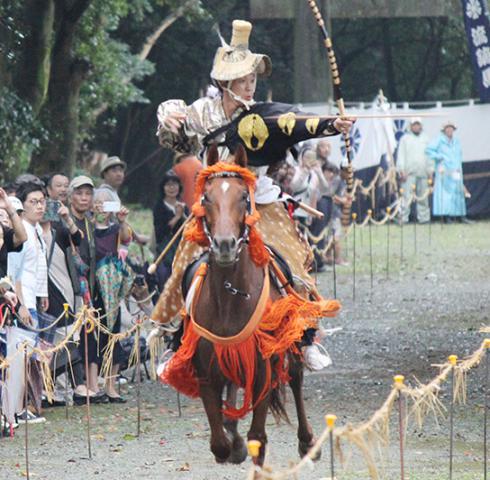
x=241 y=156
x=213 y=155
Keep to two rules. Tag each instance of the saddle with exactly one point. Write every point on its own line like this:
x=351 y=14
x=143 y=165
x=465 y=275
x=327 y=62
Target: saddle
x=279 y=260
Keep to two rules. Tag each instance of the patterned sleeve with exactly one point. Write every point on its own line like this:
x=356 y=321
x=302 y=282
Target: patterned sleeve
x=186 y=140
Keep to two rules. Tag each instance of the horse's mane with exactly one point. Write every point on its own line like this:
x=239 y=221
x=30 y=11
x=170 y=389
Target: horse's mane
x=195 y=232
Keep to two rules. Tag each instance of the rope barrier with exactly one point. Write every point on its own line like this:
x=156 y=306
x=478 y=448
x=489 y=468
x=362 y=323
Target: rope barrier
x=375 y=431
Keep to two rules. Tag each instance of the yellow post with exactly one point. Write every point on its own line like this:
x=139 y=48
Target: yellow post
x=330 y=421
x=399 y=381
x=399 y=384
x=254 y=449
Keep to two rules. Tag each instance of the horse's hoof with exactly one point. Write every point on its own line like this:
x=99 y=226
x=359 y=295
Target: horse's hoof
x=220 y=460
x=304 y=448
x=238 y=452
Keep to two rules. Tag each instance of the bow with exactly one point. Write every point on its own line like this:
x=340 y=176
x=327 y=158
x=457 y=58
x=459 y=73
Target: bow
x=337 y=93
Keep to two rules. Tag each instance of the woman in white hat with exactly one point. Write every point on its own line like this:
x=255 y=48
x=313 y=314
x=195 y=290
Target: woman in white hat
x=187 y=128
x=449 y=192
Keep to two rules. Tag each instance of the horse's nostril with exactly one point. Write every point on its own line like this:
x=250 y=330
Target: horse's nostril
x=233 y=242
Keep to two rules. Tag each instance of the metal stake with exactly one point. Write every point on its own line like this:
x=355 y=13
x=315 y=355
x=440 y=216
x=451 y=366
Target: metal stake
x=89 y=445
x=485 y=411
x=138 y=377
x=401 y=427
x=429 y=183
x=330 y=420
x=399 y=379
x=2 y=423
x=370 y=213
x=414 y=194
x=354 y=217
x=66 y=306
x=415 y=236
x=334 y=270
x=388 y=211
x=26 y=402
x=452 y=359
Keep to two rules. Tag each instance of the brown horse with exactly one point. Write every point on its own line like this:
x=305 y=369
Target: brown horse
x=230 y=295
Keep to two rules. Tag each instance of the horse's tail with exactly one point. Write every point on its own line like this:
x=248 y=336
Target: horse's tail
x=277 y=404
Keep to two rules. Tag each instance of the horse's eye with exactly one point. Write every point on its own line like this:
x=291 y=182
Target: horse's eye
x=244 y=197
x=205 y=198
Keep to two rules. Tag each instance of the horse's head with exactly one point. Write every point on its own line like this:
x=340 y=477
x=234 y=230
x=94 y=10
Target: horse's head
x=226 y=203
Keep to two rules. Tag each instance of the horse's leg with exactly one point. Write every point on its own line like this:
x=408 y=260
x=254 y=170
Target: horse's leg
x=238 y=448
x=211 y=398
x=257 y=427
x=305 y=432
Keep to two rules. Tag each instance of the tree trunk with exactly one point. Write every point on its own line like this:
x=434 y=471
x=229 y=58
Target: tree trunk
x=62 y=107
x=311 y=71
x=35 y=71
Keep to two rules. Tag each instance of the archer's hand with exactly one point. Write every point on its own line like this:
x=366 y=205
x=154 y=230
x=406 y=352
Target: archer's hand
x=173 y=121
x=344 y=125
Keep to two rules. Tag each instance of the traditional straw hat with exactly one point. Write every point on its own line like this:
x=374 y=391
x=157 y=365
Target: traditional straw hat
x=448 y=123
x=236 y=60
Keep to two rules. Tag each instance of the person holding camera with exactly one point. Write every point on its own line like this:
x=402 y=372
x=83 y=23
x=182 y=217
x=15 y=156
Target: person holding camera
x=61 y=234
x=113 y=283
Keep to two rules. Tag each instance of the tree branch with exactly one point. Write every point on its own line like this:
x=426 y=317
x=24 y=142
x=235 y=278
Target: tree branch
x=76 y=10
x=150 y=43
x=166 y=23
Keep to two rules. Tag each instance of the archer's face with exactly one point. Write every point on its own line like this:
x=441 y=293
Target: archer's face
x=245 y=86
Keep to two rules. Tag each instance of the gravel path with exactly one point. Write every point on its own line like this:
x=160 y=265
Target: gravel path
x=433 y=306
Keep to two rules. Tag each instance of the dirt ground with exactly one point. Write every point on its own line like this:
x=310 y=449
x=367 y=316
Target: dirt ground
x=430 y=306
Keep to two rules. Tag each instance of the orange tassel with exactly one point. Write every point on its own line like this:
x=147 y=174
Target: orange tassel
x=195 y=233
x=278 y=333
x=256 y=247
x=180 y=372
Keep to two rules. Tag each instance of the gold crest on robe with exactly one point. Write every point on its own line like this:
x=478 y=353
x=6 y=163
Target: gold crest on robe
x=253 y=131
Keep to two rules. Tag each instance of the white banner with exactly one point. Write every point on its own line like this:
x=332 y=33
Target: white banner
x=371 y=138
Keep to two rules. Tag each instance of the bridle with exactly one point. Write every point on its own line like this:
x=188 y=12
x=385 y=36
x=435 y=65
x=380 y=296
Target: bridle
x=243 y=239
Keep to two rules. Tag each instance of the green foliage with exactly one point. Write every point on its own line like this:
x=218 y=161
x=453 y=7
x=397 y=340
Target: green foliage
x=428 y=58
x=20 y=134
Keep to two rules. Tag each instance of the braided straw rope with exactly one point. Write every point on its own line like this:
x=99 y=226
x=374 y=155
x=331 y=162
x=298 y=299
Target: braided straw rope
x=373 y=433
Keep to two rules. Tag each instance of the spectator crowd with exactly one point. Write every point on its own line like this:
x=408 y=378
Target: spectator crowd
x=64 y=244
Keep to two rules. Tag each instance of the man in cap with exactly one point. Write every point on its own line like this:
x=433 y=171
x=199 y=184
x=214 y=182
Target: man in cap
x=81 y=194
x=414 y=168
x=449 y=191
x=112 y=171
x=226 y=119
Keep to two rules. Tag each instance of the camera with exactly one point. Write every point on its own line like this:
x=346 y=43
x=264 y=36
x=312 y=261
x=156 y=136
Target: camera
x=51 y=213
x=112 y=207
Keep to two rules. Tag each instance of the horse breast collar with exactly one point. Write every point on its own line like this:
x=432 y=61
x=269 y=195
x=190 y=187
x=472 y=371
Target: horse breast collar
x=247 y=330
